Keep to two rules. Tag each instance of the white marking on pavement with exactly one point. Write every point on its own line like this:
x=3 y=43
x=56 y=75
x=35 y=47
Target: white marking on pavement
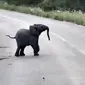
x=15 y=19
x=55 y=34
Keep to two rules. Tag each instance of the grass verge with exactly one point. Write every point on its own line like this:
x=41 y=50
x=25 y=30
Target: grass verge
x=75 y=17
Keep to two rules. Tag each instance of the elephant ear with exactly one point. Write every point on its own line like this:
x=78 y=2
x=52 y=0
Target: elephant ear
x=34 y=31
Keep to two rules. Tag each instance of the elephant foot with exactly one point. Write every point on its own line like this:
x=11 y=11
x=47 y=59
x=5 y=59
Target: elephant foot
x=36 y=54
x=22 y=54
x=17 y=55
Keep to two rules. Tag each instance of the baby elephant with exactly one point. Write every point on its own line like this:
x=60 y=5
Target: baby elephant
x=25 y=37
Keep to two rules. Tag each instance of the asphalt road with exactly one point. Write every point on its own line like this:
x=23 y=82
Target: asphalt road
x=61 y=60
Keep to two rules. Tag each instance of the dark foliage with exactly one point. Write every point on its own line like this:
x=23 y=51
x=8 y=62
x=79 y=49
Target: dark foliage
x=52 y=4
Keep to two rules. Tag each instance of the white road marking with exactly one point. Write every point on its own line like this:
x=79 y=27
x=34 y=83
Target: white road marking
x=21 y=21
x=61 y=38
x=55 y=34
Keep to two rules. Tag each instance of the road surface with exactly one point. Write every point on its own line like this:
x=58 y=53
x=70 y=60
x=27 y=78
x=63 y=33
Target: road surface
x=61 y=60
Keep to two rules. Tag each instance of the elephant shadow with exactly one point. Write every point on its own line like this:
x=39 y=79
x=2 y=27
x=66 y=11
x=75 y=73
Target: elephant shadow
x=45 y=56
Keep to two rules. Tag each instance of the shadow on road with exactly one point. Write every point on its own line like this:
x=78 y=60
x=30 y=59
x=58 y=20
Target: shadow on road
x=3 y=58
x=33 y=57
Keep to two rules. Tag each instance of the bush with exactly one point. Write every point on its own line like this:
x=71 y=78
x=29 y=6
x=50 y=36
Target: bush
x=73 y=16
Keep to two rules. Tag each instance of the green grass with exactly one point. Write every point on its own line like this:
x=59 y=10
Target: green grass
x=75 y=17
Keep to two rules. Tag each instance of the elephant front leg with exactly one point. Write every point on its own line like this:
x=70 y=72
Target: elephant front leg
x=17 y=52
x=36 y=50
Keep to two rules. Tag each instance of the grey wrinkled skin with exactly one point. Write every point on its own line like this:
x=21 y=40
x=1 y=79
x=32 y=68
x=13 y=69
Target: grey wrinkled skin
x=25 y=37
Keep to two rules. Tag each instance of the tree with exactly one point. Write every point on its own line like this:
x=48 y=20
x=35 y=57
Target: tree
x=24 y=2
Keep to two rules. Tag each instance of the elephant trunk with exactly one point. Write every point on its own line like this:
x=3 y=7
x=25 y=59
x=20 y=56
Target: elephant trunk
x=48 y=33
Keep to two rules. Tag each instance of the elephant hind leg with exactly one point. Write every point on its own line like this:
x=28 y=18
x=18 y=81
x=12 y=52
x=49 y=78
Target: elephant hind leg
x=17 y=52
x=22 y=51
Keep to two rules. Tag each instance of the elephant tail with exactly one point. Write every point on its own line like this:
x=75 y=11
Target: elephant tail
x=48 y=33
x=11 y=37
